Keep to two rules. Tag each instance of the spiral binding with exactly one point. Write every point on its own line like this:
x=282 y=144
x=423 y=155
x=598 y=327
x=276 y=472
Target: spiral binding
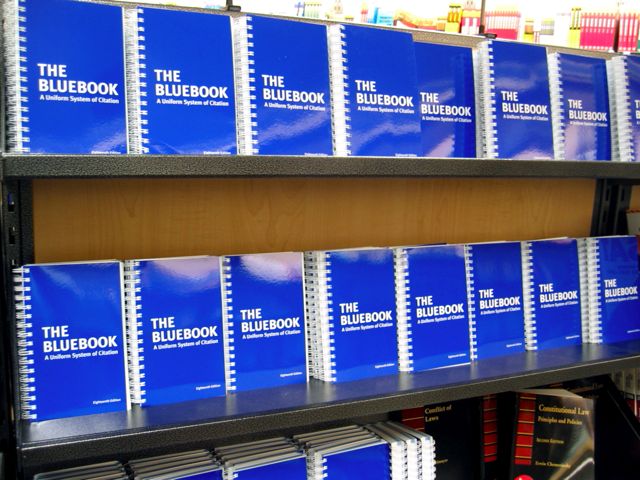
x=135 y=69
x=584 y=288
x=397 y=452
x=24 y=326
x=316 y=466
x=133 y=316
x=15 y=57
x=556 y=91
x=311 y=292
x=228 y=324
x=405 y=337
x=621 y=116
x=486 y=99
x=338 y=78
x=321 y=333
x=530 y=330
x=471 y=295
x=595 y=290
x=245 y=85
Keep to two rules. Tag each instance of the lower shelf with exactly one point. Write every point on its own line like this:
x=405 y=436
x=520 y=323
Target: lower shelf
x=217 y=421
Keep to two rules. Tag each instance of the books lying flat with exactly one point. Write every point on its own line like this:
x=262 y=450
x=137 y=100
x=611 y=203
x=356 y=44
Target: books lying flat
x=264 y=320
x=580 y=107
x=102 y=471
x=624 y=87
x=513 y=91
x=494 y=285
x=373 y=89
x=554 y=294
x=174 y=327
x=180 y=82
x=70 y=328
x=352 y=314
x=431 y=297
x=447 y=100
x=553 y=435
x=193 y=465
x=284 y=100
x=65 y=77
x=614 y=304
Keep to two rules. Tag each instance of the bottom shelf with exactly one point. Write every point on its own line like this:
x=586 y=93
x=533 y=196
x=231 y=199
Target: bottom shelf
x=224 y=420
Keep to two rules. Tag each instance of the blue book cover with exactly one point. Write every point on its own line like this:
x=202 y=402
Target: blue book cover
x=495 y=292
x=294 y=469
x=433 y=297
x=292 y=107
x=174 y=311
x=186 y=62
x=72 y=86
x=370 y=462
x=78 y=352
x=551 y=284
x=447 y=100
x=518 y=88
x=377 y=74
x=263 y=300
x=363 y=313
x=583 y=123
x=614 y=280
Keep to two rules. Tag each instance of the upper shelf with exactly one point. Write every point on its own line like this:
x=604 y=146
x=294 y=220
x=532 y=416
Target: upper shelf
x=122 y=166
x=294 y=408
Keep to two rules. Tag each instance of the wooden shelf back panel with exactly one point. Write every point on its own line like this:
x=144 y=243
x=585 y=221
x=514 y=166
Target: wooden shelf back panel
x=138 y=218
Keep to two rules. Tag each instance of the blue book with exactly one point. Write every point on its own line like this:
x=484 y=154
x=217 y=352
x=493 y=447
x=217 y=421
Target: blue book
x=580 y=107
x=283 y=87
x=72 y=314
x=180 y=78
x=447 y=100
x=513 y=89
x=624 y=88
x=65 y=77
x=174 y=326
x=374 y=90
x=352 y=311
x=614 y=304
x=553 y=295
x=370 y=462
x=431 y=297
x=289 y=468
x=494 y=285
x=264 y=320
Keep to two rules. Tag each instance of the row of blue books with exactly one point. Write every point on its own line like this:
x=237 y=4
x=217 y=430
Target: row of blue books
x=166 y=330
x=381 y=451
x=94 y=78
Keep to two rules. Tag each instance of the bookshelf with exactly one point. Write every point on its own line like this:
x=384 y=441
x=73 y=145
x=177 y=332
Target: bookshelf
x=70 y=207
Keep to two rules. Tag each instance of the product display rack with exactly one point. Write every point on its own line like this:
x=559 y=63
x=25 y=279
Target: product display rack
x=31 y=448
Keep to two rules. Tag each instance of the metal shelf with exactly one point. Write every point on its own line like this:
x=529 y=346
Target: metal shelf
x=18 y=167
x=216 y=421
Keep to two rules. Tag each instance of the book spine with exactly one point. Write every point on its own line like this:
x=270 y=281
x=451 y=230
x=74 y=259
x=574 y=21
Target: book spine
x=135 y=71
x=621 y=114
x=15 y=57
x=338 y=77
x=311 y=307
x=486 y=95
x=471 y=293
x=245 y=85
x=24 y=326
x=228 y=325
x=595 y=290
x=584 y=288
x=556 y=92
x=613 y=111
x=327 y=369
x=133 y=317
x=528 y=292
x=405 y=336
